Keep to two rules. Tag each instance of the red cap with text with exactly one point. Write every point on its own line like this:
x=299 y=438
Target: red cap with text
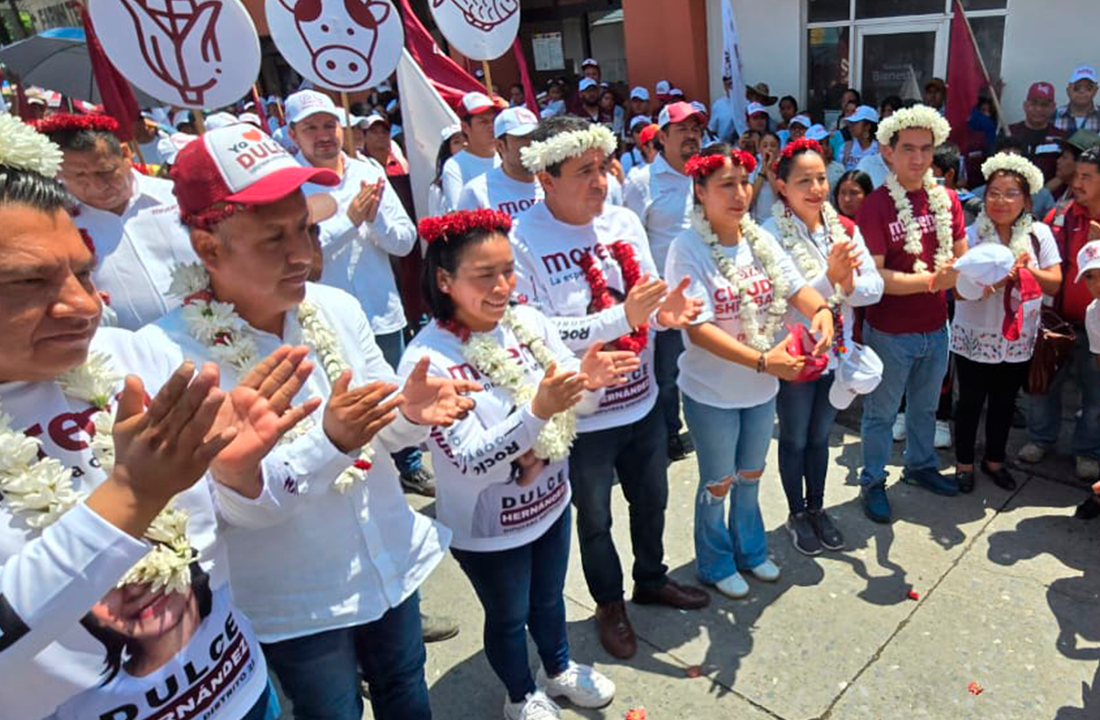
x=238 y=164
x=1041 y=91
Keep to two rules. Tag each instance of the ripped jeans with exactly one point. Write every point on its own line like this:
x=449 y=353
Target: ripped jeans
x=728 y=444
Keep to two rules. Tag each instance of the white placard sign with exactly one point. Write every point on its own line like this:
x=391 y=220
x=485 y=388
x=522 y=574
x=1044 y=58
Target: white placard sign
x=479 y=29
x=189 y=53
x=344 y=45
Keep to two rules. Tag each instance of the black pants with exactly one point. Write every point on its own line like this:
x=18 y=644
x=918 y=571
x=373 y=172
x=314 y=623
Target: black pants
x=637 y=453
x=997 y=383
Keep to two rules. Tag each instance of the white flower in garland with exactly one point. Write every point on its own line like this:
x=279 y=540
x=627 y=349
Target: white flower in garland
x=94 y=381
x=323 y=340
x=1019 y=241
x=538 y=156
x=758 y=336
x=939 y=203
x=1011 y=162
x=188 y=279
x=211 y=322
x=794 y=243
x=492 y=360
x=918 y=116
x=23 y=147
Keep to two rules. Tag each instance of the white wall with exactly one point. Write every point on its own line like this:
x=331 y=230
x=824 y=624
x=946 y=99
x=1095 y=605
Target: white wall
x=1044 y=40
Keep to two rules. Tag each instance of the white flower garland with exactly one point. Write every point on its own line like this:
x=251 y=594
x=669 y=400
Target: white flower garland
x=23 y=147
x=538 y=156
x=798 y=244
x=759 y=338
x=1011 y=162
x=940 y=205
x=1019 y=241
x=492 y=360
x=918 y=116
x=322 y=339
x=43 y=489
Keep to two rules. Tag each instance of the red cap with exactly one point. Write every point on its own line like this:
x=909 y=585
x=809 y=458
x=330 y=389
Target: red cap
x=238 y=164
x=1041 y=91
x=648 y=133
x=679 y=112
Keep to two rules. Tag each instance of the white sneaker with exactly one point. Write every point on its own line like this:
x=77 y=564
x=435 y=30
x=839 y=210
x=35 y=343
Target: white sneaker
x=1087 y=468
x=536 y=706
x=734 y=586
x=899 y=427
x=766 y=571
x=1032 y=453
x=943 y=434
x=580 y=684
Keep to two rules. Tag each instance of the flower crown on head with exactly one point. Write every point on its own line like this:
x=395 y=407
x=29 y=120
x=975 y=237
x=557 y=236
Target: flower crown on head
x=1011 y=162
x=23 y=148
x=66 y=122
x=801 y=145
x=449 y=226
x=700 y=167
x=918 y=116
x=540 y=155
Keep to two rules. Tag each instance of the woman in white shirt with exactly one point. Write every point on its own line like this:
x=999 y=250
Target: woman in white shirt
x=763 y=183
x=731 y=362
x=502 y=471
x=991 y=368
x=829 y=253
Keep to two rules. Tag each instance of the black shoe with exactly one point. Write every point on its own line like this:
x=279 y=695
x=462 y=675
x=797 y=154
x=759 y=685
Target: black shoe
x=965 y=480
x=437 y=628
x=679 y=447
x=826 y=532
x=1089 y=509
x=1001 y=478
x=419 y=481
x=802 y=534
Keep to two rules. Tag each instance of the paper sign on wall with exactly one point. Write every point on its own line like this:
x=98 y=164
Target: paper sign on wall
x=341 y=45
x=479 y=29
x=191 y=53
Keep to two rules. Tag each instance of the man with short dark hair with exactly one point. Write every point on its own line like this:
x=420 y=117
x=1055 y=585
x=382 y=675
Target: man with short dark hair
x=935 y=94
x=130 y=218
x=1073 y=228
x=1037 y=131
x=590 y=68
x=476 y=113
x=588 y=100
x=509 y=188
x=722 y=123
x=560 y=245
x=1080 y=113
x=639 y=105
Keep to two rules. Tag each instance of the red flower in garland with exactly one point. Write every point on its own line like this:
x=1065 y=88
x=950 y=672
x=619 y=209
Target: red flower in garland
x=66 y=122
x=801 y=145
x=623 y=253
x=456 y=328
x=699 y=167
x=452 y=225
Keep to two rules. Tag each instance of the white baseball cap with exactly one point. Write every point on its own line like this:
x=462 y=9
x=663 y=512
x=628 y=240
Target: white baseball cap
x=590 y=62
x=304 y=103
x=1088 y=258
x=220 y=120
x=663 y=87
x=676 y=92
x=802 y=120
x=755 y=108
x=368 y=120
x=250 y=117
x=858 y=373
x=639 y=93
x=169 y=147
x=639 y=121
x=863 y=112
x=985 y=264
x=816 y=132
x=515 y=121
x=449 y=131
x=475 y=103
x=586 y=83
x=1083 y=72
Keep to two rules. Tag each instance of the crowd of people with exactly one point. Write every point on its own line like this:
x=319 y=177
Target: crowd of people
x=225 y=360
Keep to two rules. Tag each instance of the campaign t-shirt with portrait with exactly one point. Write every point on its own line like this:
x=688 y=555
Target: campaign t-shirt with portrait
x=490 y=489
x=884 y=235
x=496 y=191
x=704 y=376
x=49 y=580
x=549 y=277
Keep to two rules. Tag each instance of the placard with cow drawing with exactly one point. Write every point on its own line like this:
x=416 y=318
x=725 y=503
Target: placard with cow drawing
x=479 y=29
x=344 y=45
x=188 y=53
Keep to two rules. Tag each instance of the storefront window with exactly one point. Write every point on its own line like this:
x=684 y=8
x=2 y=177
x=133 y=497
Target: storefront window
x=896 y=64
x=896 y=8
x=828 y=66
x=829 y=10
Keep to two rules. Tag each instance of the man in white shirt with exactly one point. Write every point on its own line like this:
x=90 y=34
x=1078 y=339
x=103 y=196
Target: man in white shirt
x=130 y=218
x=326 y=559
x=722 y=123
x=660 y=195
x=476 y=113
x=370 y=225
x=510 y=187
x=558 y=245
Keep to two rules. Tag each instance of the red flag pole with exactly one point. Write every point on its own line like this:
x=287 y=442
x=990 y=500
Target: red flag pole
x=981 y=64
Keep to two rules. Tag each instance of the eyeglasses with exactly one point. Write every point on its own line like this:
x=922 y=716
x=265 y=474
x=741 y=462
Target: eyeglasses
x=1010 y=196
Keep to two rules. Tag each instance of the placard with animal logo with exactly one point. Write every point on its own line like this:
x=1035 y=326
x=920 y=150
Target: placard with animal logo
x=479 y=29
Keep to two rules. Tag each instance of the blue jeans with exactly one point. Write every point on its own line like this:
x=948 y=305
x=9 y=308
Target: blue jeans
x=320 y=673
x=805 y=420
x=666 y=356
x=522 y=589
x=729 y=443
x=914 y=365
x=266 y=708
x=392 y=346
x=1044 y=415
